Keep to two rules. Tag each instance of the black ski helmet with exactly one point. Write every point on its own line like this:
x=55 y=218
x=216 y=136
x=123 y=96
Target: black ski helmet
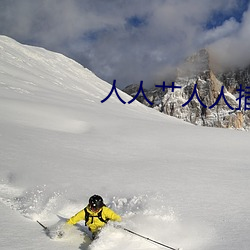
x=96 y=202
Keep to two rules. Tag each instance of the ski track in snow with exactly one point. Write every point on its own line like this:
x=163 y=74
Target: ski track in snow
x=42 y=116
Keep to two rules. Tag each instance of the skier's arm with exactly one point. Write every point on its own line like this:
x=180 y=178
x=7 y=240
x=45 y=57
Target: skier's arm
x=110 y=214
x=77 y=217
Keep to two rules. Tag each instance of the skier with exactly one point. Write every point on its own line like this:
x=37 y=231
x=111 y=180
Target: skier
x=95 y=214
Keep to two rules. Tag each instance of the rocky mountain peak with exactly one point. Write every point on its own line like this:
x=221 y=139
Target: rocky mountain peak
x=195 y=65
x=198 y=72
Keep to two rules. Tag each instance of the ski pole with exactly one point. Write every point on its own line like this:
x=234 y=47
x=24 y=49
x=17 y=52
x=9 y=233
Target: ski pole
x=45 y=228
x=146 y=238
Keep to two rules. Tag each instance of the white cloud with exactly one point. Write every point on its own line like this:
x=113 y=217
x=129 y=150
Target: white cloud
x=101 y=36
x=233 y=50
x=228 y=28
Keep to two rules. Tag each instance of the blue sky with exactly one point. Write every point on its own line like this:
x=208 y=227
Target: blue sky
x=218 y=17
x=131 y=40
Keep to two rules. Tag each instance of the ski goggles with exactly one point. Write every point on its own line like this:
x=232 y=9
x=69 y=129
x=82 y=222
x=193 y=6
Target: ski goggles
x=94 y=208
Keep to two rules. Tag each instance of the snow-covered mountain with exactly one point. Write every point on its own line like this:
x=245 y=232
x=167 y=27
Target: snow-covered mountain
x=200 y=70
x=182 y=185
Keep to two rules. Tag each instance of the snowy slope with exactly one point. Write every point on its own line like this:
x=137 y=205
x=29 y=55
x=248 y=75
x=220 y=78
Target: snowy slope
x=179 y=184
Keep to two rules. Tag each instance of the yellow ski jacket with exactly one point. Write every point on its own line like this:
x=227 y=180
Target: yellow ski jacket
x=94 y=223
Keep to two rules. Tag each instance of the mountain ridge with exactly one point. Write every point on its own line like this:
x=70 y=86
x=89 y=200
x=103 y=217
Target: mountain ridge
x=199 y=70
